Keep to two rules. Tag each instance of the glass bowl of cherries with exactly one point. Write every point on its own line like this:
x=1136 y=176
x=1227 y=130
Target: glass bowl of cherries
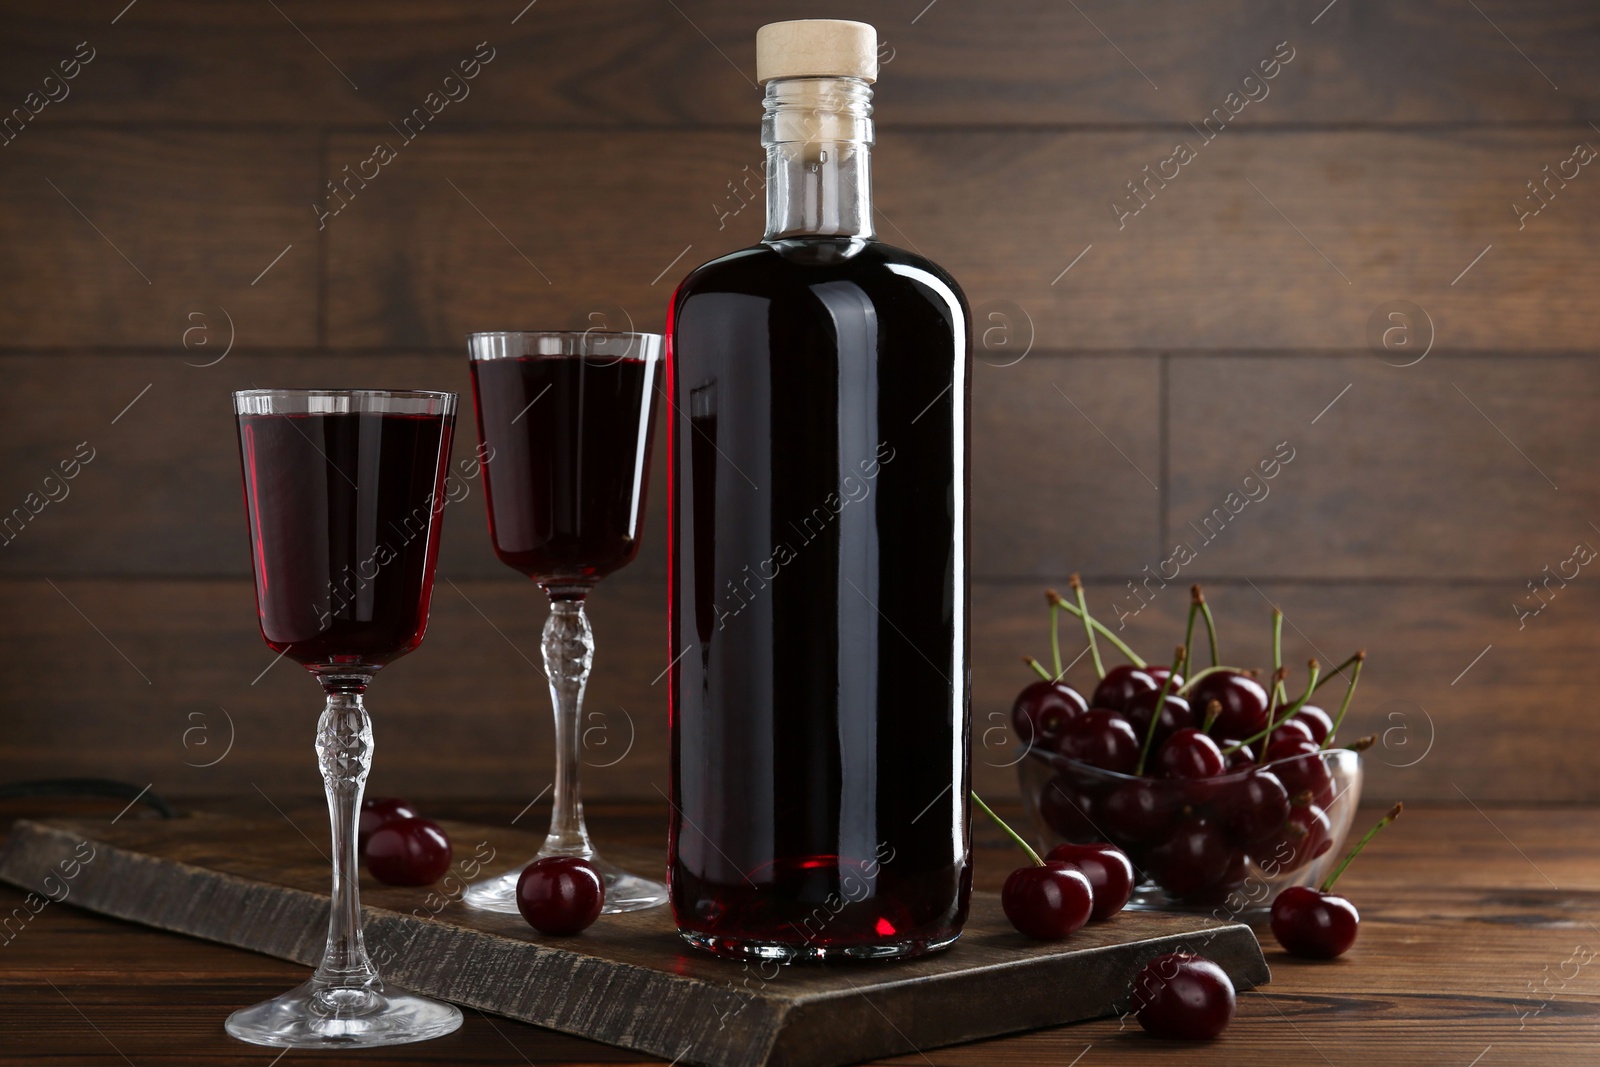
x=1223 y=791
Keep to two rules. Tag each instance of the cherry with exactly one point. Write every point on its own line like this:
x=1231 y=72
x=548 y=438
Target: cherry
x=375 y=812
x=1101 y=738
x=1068 y=810
x=1292 y=729
x=1049 y=900
x=1120 y=684
x=1282 y=746
x=1306 y=772
x=408 y=851
x=1193 y=857
x=1316 y=720
x=1244 y=702
x=1175 y=714
x=1160 y=674
x=1184 y=996
x=1252 y=808
x=1137 y=810
x=1043 y=709
x=1109 y=871
x=1315 y=923
x=1190 y=754
x=560 y=895
x=1305 y=834
x=1239 y=758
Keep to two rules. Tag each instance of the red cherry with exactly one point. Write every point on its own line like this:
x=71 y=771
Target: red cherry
x=1253 y=807
x=408 y=851
x=1306 y=772
x=560 y=895
x=1244 y=703
x=1184 y=997
x=1068 y=810
x=1138 y=809
x=1101 y=738
x=1240 y=758
x=1305 y=834
x=1194 y=857
x=1282 y=746
x=1160 y=674
x=1292 y=729
x=1041 y=711
x=1316 y=720
x=1109 y=871
x=1314 y=924
x=1049 y=901
x=1190 y=754
x=1120 y=684
x=375 y=812
x=1175 y=715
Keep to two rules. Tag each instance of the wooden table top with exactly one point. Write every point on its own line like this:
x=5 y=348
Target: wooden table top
x=1478 y=948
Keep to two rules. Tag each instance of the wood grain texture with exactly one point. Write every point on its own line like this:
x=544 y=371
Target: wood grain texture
x=1465 y=944
x=627 y=981
x=1263 y=240
x=114 y=237
x=467 y=715
x=636 y=62
x=161 y=496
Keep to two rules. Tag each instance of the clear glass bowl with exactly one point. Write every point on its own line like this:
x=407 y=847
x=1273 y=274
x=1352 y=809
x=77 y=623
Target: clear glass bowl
x=1222 y=846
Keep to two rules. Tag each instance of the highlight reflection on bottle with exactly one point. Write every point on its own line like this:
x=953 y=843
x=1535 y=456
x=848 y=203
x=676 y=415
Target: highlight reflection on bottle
x=818 y=554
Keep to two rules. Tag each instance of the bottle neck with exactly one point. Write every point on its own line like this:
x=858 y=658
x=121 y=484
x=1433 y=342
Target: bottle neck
x=818 y=136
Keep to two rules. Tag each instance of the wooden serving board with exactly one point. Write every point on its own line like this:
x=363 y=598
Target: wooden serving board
x=627 y=980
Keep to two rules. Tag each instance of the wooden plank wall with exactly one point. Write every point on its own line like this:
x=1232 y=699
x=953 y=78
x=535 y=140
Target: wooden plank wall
x=164 y=206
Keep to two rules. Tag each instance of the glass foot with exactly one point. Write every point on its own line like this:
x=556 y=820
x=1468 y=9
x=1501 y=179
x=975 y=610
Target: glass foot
x=624 y=891
x=314 y=1016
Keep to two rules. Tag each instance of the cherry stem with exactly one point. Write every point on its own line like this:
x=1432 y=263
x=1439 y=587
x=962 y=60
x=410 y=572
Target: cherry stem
x=1350 y=691
x=1394 y=813
x=1161 y=700
x=1211 y=623
x=1194 y=609
x=1129 y=654
x=1278 y=676
x=987 y=810
x=1213 y=709
x=1293 y=709
x=1277 y=642
x=1188 y=687
x=1351 y=662
x=1055 y=631
x=1088 y=625
x=1036 y=665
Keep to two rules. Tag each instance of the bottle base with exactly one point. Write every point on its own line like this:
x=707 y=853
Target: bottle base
x=740 y=948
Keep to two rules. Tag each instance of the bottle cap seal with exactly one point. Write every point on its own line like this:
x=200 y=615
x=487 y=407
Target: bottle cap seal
x=817 y=48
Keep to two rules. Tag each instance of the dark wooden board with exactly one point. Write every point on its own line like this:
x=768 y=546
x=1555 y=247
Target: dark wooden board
x=637 y=61
x=628 y=980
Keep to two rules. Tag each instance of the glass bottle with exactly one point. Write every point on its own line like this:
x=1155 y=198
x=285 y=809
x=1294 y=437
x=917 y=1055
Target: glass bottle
x=818 y=557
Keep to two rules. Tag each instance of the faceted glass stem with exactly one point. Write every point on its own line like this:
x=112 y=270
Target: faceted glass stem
x=568 y=654
x=344 y=752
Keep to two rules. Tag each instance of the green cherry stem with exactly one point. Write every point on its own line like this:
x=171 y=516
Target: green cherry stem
x=1100 y=628
x=1213 y=709
x=1273 y=721
x=1333 y=876
x=987 y=810
x=1052 y=597
x=1194 y=609
x=1088 y=625
x=1277 y=642
x=1350 y=691
x=1211 y=623
x=1351 y=662
x=1166 y=686
x=1036 y=665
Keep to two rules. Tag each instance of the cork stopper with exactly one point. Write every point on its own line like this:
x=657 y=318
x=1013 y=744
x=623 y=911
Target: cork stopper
x=816 y=48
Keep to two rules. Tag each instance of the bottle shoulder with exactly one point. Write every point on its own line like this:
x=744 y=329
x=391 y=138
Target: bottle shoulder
x=768 y=268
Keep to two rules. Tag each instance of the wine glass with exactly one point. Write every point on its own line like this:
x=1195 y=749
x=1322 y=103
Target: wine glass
x=564 y=422
x=343 y=489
